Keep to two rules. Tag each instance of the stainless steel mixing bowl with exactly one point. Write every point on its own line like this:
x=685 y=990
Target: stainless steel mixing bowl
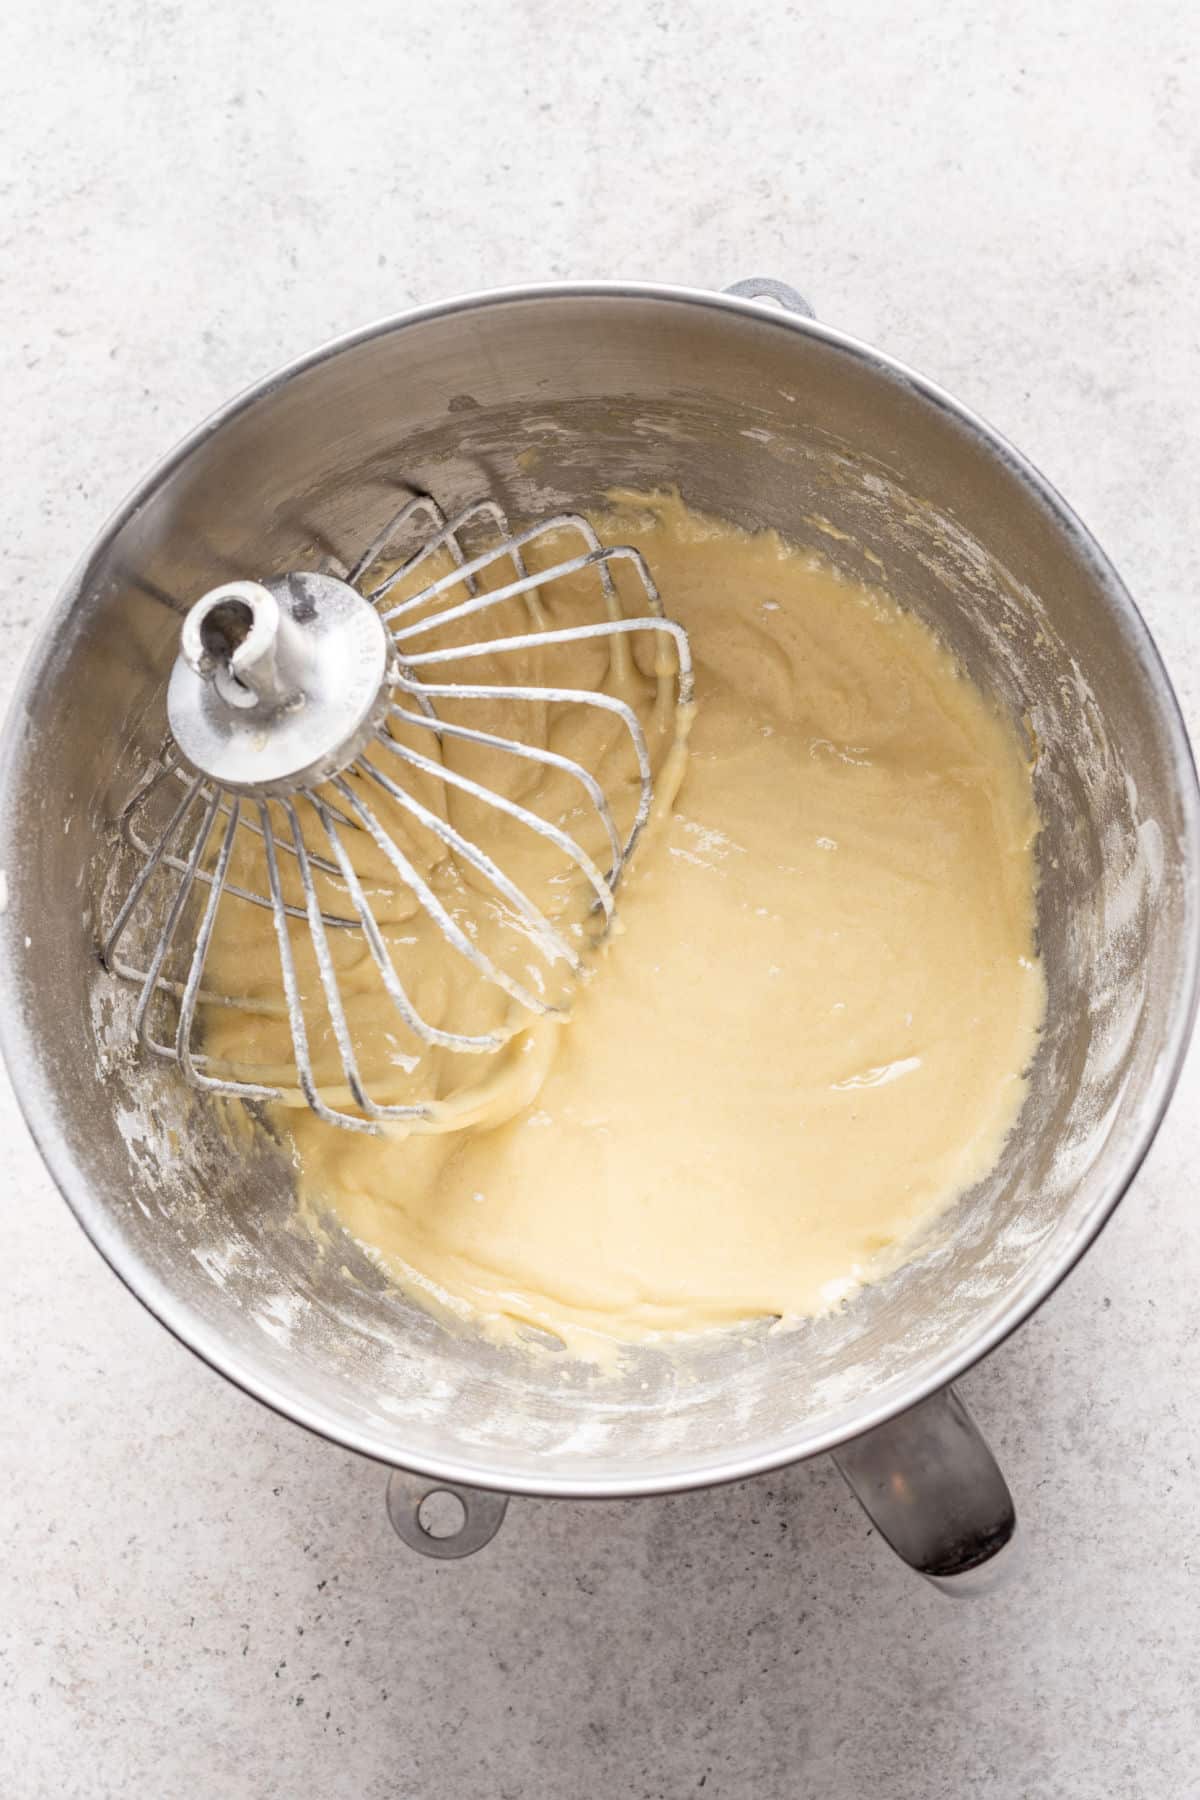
x=547 y=396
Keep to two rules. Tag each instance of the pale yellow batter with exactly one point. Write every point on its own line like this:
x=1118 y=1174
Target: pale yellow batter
x=809 y=1034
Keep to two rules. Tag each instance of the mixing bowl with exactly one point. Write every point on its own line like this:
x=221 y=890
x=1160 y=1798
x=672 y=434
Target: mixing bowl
x=546 y=397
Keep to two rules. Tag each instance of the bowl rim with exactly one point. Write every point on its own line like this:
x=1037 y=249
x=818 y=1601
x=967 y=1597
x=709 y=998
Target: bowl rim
x=1042 y=1276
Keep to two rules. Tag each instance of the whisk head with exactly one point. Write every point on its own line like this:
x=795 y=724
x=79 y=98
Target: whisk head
x=393 y=810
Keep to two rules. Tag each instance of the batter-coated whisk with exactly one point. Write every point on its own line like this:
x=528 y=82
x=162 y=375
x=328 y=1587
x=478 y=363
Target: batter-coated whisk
x=318 y=767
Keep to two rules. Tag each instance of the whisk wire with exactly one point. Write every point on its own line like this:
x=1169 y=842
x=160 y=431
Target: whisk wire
x=553 y=945
x=446 y=923
x=550 y=759
x=170 y=926
x=500 y=803
x=429 y=1034
x=194 y=1068
x=142 y=880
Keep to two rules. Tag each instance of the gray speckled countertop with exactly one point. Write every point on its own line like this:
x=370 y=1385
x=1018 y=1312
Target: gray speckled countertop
x=195 y=1597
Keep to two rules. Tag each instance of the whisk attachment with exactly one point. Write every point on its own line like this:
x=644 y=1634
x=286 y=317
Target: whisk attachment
x=333 y=761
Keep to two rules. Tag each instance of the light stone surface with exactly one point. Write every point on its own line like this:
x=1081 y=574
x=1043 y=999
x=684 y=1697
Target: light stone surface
x=195 y=1597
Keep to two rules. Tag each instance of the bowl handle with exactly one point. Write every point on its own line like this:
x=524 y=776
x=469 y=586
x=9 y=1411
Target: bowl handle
x=934 y=1491
x=765 y=287
x=482 y=1515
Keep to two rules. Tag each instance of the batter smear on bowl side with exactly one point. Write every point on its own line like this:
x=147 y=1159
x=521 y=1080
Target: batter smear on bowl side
x=808 y=1034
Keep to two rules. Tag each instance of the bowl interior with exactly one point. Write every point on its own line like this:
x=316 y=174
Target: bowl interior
x=548 y=399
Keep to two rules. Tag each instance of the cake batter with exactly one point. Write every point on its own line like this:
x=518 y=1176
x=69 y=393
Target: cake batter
x=809 y=1034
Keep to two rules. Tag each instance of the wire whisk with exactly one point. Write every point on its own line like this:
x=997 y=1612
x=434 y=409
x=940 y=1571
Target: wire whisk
x=393 y=809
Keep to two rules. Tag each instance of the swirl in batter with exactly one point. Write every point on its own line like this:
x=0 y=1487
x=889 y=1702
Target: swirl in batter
x=809 y=1035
